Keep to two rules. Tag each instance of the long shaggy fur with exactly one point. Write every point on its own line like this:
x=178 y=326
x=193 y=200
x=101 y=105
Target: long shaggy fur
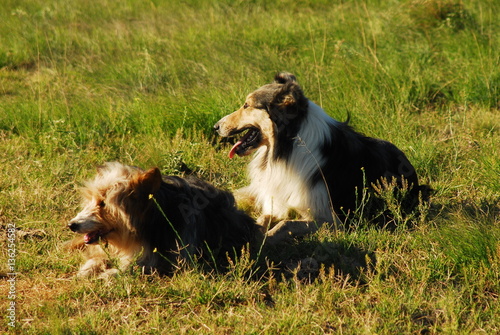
x=307 y=162
x=139 y=216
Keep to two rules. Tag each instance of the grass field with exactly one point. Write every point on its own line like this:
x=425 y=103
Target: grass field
x=142 y=82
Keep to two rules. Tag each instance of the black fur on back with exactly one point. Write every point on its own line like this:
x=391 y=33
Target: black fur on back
x=198 y=218
x=358 y=161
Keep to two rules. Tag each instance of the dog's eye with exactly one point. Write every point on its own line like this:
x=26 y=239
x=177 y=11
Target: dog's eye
x=102 y=204
x=245 y=106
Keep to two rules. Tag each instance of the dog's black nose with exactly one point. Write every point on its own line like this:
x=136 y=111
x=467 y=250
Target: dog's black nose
x=216 y=126
x=73 y=226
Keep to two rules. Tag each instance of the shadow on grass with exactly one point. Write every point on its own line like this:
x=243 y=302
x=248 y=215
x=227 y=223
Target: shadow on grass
x=481 y=209
x=305 y=259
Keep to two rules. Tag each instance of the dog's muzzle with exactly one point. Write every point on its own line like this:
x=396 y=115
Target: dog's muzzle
x=218 y=127
x=82 y=225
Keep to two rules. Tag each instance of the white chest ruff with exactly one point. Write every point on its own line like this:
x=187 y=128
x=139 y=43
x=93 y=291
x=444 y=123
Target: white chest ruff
x=282 y=187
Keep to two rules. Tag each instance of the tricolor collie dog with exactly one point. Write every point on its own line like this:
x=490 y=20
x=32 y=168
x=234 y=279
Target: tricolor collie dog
x=305 y=161
x=139 y=216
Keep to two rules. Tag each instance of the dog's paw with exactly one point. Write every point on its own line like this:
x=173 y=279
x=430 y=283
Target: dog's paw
x=92 y=267
x=108 y=274
x=265 y=222
x=285 y=231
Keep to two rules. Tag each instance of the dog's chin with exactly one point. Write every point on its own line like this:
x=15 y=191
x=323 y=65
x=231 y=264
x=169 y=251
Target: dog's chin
x=95 y=236
x=248 y=143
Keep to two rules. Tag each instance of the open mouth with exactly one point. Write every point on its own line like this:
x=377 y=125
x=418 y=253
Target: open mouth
x=94 y=237
x=250 y=140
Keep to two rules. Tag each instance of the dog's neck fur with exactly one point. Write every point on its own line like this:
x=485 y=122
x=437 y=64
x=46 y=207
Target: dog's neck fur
x=284 y=183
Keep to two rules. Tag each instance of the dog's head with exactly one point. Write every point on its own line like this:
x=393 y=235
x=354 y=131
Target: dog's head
x=116 y=197
x=271 y=112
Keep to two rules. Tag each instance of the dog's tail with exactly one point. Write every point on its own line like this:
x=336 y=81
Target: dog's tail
x=348 y=119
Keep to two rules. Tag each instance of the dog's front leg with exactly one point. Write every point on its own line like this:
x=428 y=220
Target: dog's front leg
x=93 y=266
x=284 y=231
x=123 y=265
x=97 y=262
x=109 y=273
x=266 y=222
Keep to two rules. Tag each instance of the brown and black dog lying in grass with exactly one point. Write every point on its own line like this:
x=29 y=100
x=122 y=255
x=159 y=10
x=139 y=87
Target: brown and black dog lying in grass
x=137 y=216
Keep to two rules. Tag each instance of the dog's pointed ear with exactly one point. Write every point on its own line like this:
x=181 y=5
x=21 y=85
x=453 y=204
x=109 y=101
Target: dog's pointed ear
x=290 y=94
x=288 y=100
x=101 y=169
x=148 y=182
x=284 y=78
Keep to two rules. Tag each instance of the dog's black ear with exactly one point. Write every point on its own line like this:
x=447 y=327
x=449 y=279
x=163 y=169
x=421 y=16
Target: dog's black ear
x=288 y=99
x=148 y=182
x=285 y=78
x=290 y=94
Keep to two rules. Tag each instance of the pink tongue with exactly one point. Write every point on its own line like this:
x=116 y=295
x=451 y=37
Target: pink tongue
x=90 y=236
x=234 y=148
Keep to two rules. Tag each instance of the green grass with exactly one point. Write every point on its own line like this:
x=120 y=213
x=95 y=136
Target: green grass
x=143 y=82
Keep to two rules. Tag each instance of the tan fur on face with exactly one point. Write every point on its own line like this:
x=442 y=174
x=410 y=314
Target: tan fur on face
x=108 y=207
x=249 y=115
